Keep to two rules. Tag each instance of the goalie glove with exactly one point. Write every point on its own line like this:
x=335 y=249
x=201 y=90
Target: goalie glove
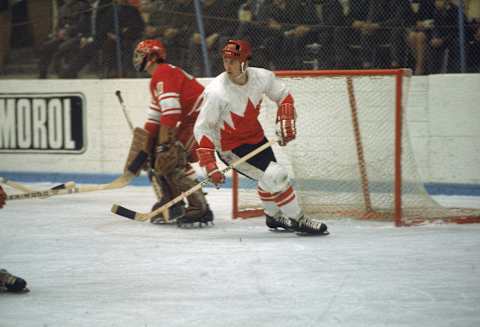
x=286 y=129
x=206 y=159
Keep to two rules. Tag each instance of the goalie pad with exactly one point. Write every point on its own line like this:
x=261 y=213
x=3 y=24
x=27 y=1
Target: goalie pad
x=170 y=187
x=170 y=154
x=166 y=190
x=169 y=157
x=140 y=149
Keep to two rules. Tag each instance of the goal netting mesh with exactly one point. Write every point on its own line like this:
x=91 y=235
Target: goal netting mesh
x=352 y=156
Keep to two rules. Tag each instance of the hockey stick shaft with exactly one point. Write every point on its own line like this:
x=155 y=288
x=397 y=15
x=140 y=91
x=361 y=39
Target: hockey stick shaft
x=151 y=172
x=124 y=109
x=26 y=189
x=130 y=214
x=70 y=188
x=15 y=185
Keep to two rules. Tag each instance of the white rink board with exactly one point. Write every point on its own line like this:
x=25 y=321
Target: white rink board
x=442 y=113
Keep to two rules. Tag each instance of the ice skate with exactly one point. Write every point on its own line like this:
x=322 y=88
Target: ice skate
x=279 y=221
x=12 y=283
x=309 y=226
x=173 y=213
x=194 y=215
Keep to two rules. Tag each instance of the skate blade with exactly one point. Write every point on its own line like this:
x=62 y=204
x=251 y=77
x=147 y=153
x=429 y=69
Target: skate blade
x=5 y=290
x=312 y=234
x=196 y=224
x=161 y=221
x=280 y=230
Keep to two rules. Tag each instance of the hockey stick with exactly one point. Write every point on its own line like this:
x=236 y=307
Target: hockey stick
x=70 y=188
x=140 y=216
x=151 y=173
x=15 y=185
x=124 y=109
x=26 y=189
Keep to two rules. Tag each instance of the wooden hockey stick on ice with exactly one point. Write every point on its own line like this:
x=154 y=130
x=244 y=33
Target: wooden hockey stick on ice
x=140 y=216
x=26 y=189
x=15 y=185
x=70 y=188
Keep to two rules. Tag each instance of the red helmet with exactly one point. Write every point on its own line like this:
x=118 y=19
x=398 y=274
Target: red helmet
x=147 y=52
x=237 y=49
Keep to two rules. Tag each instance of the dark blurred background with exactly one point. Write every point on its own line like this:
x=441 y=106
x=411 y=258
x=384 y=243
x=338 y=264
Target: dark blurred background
x=95 y=38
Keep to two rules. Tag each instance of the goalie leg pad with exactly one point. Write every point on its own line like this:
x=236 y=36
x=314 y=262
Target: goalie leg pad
x=140 y=148
x=169 y=157
x=167 y=191
x=275 y=179
x=198 y=209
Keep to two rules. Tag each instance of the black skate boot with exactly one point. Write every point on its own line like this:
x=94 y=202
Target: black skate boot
x=279 y=221
x=173 y=213
x=194 y=215
x=197 y=211
x=12 y=283
x=309 y=226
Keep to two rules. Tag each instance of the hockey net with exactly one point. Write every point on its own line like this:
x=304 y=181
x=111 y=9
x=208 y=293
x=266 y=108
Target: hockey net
x=352 y=156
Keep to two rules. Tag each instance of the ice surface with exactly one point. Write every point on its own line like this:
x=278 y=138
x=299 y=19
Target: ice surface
x=87 y=267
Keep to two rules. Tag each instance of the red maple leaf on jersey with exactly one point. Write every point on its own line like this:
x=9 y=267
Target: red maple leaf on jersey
x=245 y=129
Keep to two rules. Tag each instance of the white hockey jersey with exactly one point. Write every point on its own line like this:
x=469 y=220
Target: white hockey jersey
x=229 y=112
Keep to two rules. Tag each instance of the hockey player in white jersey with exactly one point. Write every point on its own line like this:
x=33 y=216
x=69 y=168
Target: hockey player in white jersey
x=228 y=123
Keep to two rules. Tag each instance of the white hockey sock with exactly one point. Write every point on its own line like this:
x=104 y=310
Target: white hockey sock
x=269 y=205
x=286 y=201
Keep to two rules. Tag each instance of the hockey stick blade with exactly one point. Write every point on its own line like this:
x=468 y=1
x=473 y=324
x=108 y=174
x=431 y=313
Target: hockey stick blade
x=144 y=216
x=124 y=212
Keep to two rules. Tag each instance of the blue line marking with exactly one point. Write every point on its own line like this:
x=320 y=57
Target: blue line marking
x=142 y=180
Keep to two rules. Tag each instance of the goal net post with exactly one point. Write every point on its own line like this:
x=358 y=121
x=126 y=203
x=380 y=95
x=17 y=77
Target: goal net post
x=352 y=156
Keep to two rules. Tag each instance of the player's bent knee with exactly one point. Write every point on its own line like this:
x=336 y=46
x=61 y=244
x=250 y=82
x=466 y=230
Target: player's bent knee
x=275 y=179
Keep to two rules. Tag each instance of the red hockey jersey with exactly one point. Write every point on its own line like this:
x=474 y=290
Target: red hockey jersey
x=174 y=94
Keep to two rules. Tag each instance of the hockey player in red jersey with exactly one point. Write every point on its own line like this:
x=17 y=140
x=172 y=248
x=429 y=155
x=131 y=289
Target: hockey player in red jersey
x=228 y=123
x=171 y=117
x=8 y=281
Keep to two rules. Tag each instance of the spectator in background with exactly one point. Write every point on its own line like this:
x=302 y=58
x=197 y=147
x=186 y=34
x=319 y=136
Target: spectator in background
x=304 y=31
x=147 y=7
x=290 y=26
x=256 y=32
x=173 y=24
x=5 y=28
x=419 y=24
x=402 y=24
x=103 y=38
x=220 y=23
x=473 y=49
x=101 y=22
x=130 y=29
x=369 y=26
x=73 y=23
x=336 y=21
x=445 y=33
